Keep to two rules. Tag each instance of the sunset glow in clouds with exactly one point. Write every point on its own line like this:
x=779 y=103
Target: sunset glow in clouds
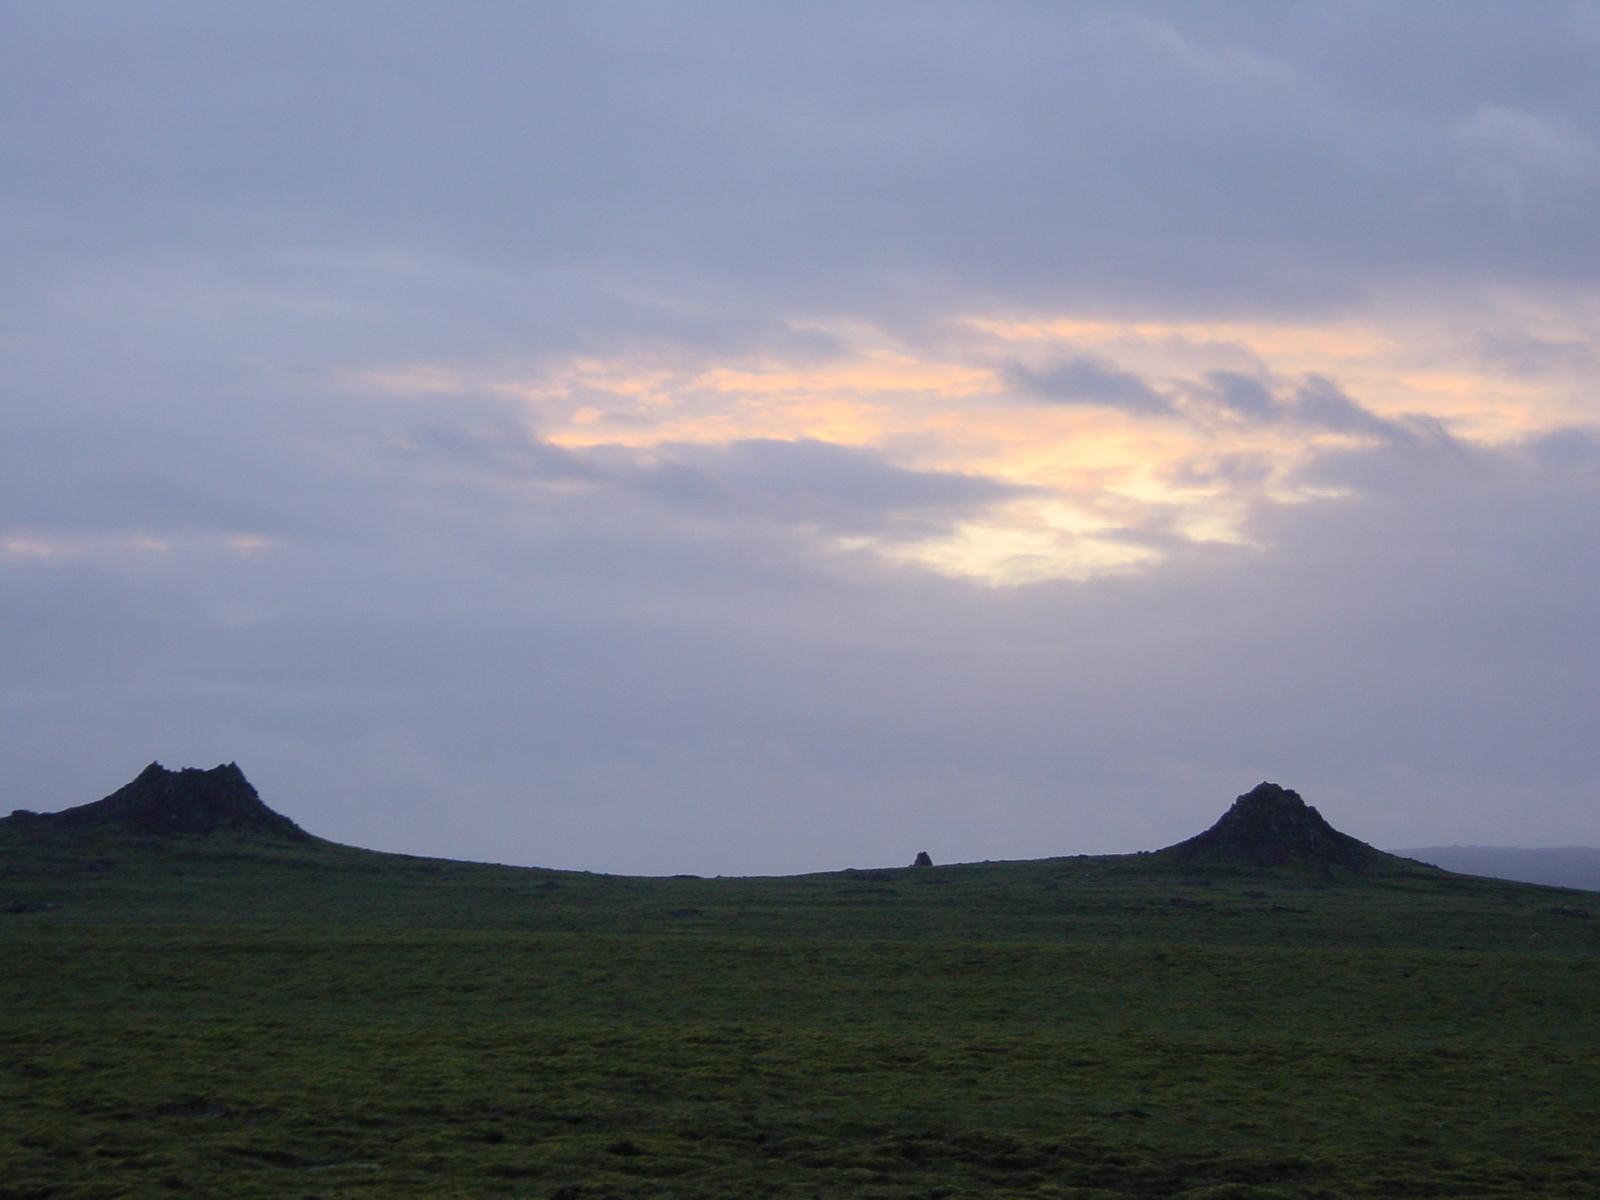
x=719 y=438
x=1118 y=438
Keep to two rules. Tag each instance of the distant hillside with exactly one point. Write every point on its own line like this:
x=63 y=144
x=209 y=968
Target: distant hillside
x=191 y=846
x=1567 y=866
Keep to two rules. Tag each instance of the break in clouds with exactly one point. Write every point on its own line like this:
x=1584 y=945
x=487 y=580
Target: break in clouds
x=710 y=438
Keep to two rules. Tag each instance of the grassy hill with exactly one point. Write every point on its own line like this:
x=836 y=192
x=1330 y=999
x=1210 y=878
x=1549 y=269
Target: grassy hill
x=243 y=1012
x=93 y=878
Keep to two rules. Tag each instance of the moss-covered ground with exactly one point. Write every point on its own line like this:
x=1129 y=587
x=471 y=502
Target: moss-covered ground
x=228 y=1021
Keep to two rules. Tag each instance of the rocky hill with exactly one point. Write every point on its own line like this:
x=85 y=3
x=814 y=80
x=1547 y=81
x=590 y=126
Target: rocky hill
x=1271 y=826
x=161 y=803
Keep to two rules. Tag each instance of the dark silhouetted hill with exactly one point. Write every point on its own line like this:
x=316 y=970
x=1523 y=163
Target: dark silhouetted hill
x=161 y=803
x=1271 y=826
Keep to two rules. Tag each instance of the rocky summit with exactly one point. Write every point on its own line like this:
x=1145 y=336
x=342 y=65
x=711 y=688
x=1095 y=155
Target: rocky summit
x=189 y=801
x=1272 y=826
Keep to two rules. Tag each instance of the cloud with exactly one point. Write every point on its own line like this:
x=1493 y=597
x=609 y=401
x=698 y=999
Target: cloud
x=891 y=161
x=1241 y=394
x=1319 y=401
x=830 y=486
x=1572 y=450
x=1316 y=401
x=1086 y=380
x=1516 y=157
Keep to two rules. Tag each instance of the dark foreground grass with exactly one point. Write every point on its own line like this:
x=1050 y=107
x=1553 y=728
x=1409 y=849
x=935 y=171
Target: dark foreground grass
x=305 y=1061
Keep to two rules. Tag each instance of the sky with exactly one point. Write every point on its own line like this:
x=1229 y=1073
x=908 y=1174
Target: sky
x=751 y=439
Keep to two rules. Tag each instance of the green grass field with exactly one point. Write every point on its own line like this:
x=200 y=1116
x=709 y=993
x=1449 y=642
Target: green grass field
x=227 y=1019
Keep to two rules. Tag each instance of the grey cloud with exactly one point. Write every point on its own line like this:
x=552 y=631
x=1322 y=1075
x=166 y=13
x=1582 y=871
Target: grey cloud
x=1530 y=356
x=832 y=487
x=887 y=161
x=1573 y=449
x=1244 y=395
x=1319 y=401
x=1516 y=158
x=1316 y=401
x=861 y=478
x=500 y=446
x=1083 y=379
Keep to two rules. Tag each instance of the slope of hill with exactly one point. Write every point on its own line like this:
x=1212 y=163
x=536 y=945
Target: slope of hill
x=1565 y=866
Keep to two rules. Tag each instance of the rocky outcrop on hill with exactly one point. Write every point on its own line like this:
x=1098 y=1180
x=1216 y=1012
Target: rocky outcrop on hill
x=190 y=801
x=1272 y=826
